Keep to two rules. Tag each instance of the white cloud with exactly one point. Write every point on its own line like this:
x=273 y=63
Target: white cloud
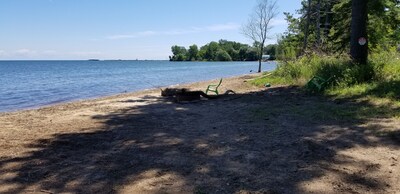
x=25 y=51
x=171 y=32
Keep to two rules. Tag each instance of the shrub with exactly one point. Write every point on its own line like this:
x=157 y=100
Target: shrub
x=382 y=68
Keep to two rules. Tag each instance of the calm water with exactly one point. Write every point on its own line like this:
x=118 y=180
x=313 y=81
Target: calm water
x=29 y=84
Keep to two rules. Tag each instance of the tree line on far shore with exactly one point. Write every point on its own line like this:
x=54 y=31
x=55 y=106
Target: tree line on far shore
x=223 y=50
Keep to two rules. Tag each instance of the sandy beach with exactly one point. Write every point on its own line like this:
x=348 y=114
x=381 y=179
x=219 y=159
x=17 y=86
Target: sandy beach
x=259 y=140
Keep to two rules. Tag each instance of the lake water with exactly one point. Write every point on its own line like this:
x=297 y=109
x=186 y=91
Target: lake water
x=30 y=84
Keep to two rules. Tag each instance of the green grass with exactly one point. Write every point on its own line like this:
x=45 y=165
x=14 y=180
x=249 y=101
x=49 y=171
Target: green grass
x=385 y=90
x=272 y=79
x=375 y=86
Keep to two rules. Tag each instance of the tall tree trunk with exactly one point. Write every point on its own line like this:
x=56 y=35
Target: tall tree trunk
x=318 y=41
x=359 y=39
x=306 y=31
x=327 y=12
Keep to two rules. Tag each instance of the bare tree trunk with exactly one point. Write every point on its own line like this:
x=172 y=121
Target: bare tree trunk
x=259 y=25
x=359 y=41
x=307 y=26
x=260 y=57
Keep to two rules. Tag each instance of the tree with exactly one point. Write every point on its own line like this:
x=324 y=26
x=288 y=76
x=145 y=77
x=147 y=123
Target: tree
x=180 y=57
x=306 y=31
x=359 y=43
x=222 y=55
x=251 y=54
x=318 y=26
x=223 y=50
x=243 y=53
x=232 y=48
x=259 y=25
x=211 y=50
x=383 y=27
x=179 y=53
x=176 y=50
x=339 y=34
x=193 y=53
x=271 y=50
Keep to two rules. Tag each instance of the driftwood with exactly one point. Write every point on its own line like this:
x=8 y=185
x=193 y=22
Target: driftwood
x=170 y=92
x=192 y=95
x=183 y=94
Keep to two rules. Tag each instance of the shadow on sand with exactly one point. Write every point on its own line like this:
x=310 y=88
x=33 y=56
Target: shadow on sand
x=271 y=141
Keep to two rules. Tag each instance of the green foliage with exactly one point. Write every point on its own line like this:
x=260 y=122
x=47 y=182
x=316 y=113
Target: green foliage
x=243 y=55
x=272 y=79
x=223 y=50
x=222 y=55
x=382 y=92
x=251 y=54
x=193 y=53
x=339 y=67
x=180 y=57
x=271 y=50
x=339 y=34
x=377 y=82
x=335 y=21
x=210 y=51
x=176 y=50
x=379 y=79
x=286 y=51
x=386 y=65
x=179 y=53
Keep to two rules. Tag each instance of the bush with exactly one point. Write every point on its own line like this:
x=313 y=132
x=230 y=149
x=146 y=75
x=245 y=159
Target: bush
x=382 y=68
x=386 y=66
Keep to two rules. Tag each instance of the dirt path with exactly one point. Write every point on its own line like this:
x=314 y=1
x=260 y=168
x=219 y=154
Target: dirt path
x=275 y=140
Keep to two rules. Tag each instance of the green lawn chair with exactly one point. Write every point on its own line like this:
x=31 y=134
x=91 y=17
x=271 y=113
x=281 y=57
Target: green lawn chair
x=214 y=88
x=318 y=84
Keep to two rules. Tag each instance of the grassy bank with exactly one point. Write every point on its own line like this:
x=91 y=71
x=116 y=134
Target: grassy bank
x=377 y=83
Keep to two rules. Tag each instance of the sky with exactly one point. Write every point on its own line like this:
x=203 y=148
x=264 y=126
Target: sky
x=122 y=29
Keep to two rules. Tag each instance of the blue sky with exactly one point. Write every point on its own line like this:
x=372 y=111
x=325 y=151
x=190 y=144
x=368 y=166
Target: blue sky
x=121 y=29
